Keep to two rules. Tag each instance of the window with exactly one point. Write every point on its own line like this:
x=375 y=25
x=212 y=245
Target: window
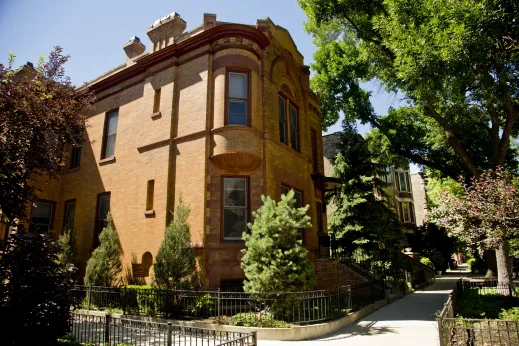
x=314 y=150
x=156 y=101
x=110 y=134
x=298 y=196
x=388 y=178
x=405 y=211
x=402 y=181
x=288 y=115
x=75 y=158
x=41 y=216
x=149 y=194
x=70 y=213
x=235 y=208
x=103 y=207
x=282 y=120
x=237 y=99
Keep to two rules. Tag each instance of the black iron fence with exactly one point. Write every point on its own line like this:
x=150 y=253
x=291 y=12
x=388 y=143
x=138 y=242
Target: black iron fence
x=235 y=308
x=467 y=331
x=106 y=329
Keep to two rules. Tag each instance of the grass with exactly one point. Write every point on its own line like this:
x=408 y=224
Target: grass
x=485 y=304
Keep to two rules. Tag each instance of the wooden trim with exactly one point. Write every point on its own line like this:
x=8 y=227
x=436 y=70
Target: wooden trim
x=73 y=200
x=249 y=214
x=53 y=213
x=228 y=71
x=97 y=231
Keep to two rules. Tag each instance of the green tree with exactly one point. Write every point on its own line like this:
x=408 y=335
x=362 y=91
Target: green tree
x=363 y=218
x=40 y=110
x=67 y=242
x=433 y=242
x=485 y=215
x=274 y=259
x=105 y=266
x=175 y=263
x=436 y=185
x=454 y=63
x=35 y=291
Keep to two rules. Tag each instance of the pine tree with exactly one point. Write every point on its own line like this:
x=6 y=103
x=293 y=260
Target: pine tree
x=274 y=259
x=175 y=263
x=67 y=243
x=362 y=219
x=105 y=265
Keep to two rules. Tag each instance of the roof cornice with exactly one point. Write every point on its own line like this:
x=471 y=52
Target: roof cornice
x=176 y=50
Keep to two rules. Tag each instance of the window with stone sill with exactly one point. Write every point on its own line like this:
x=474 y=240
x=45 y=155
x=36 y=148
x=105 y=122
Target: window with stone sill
x=235 y=191
x=70 y=213
x=156 y=101
x=75 y=157
x=288 y=120
x=110 y=133
x=237 y=98
x=102 y=209
x=42 y=216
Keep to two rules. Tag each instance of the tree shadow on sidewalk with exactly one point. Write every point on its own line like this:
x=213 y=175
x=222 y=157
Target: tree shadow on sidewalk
x=359 y=330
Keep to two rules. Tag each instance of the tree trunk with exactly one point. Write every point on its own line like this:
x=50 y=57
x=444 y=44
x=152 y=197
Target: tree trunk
x=490 y=258
x=503 y=264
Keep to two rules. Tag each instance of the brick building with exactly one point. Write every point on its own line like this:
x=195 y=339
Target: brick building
x=399 y=188
x=217 y=115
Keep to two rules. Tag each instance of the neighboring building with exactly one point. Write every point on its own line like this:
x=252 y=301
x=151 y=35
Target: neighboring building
x=399 y=190
x=219 y=116
x=419 y=184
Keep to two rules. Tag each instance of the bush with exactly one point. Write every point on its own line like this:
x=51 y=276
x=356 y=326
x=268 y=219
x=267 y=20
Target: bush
x=105 y=266
x=260 y=319
x=426 y=261
x=274 y=259
x=472 y=305
x=36 y=291
x=175 y=263
x=510 y=314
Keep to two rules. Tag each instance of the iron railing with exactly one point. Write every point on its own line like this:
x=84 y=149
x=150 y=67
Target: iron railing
x=235 y=308
x=466 y=331
x=106 y=329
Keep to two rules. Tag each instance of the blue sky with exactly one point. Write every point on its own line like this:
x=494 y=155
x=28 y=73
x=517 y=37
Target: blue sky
x=93 y=31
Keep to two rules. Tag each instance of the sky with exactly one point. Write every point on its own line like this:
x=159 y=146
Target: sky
x=93 y=32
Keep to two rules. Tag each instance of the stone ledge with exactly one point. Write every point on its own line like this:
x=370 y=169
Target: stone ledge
x=294 y=333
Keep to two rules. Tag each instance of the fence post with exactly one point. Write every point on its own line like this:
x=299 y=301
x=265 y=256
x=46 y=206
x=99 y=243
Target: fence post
x=254 y=337
x=107 y=327
x=88 y=297
x=440 y=330
x=338 y=301
x=218 y=303
x=170 y=331
x=124 y=300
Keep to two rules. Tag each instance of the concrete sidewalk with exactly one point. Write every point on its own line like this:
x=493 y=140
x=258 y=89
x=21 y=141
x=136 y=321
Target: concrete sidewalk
x=408 y=321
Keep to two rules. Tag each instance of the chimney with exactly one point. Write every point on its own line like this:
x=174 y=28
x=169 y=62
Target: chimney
x=163 y=32
x=209 y=21
x=133 y=48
